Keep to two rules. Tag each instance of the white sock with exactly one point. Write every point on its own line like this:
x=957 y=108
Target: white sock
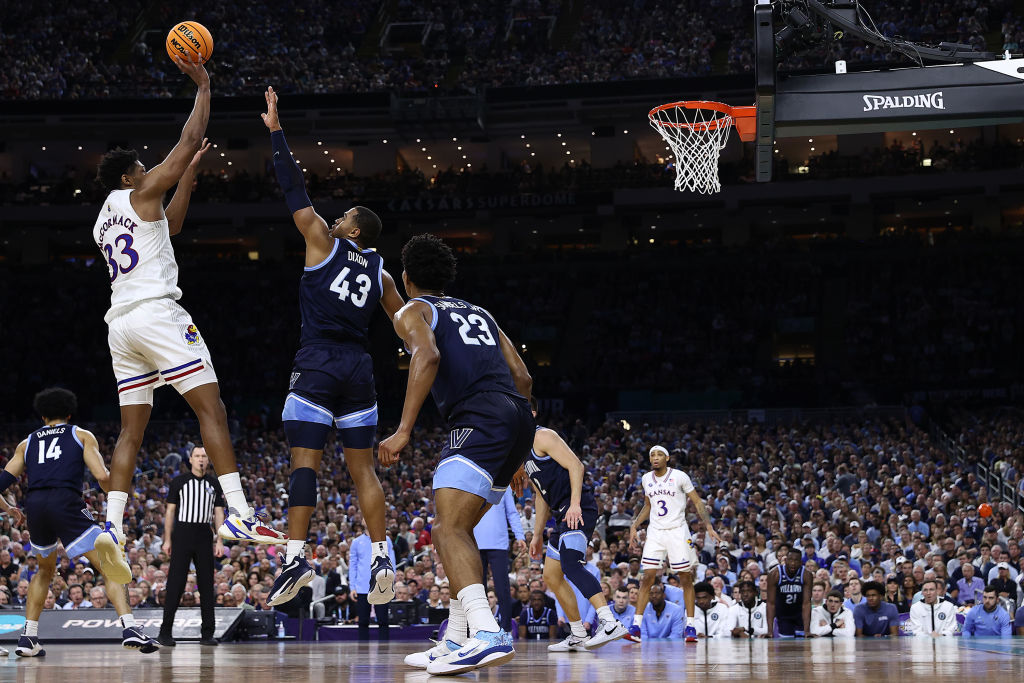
x=378 y=548
x=576 y=627
x=31 y=628
x=116 y=502
x=231 y=484
x=478 y=612
x=127 y=620
x=637 y=619
x=690 y=621
x=605 y=613
x=295 y=549
x=457 y=624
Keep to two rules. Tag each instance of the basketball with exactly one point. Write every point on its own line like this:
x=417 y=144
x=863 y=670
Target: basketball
x=188 y=39
x=985 y=510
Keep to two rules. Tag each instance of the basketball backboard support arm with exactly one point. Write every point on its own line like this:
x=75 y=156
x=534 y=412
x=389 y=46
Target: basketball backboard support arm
x=915 y=98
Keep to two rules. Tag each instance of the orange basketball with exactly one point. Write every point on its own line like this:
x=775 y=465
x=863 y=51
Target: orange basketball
x=188 y=39
x=985 y=510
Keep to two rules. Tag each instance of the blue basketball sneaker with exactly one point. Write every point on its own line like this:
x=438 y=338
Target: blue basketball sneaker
x=421 y=660
x=486 y=648
x=691 y=634
x=634 y=634
x=294 y=575
x=382 y=581
x=252 y=526
x=29 y=646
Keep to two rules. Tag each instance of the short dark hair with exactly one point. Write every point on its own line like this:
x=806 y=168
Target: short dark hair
x=55 y=402
x=703 y=587
x=113 y=165
x=623 y=589
x=369 y=226
x=927 y=581
x=428 y=262
x=873 y=586
x=991 y=588
x=541 y=594
x=745 y=584
x=835 y=594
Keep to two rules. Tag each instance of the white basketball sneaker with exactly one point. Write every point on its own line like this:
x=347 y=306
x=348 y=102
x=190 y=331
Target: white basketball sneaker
x=113 y=563
x=607 y=631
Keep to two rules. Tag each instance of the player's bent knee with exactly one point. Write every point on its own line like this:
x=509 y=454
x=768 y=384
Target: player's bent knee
x=301 y=434
x=302 y=488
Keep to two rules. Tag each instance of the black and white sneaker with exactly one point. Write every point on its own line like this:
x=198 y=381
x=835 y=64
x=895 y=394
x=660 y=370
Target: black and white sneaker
x=382 y=581
x=29 y=646
x=134 y=639
x=294 y=575
x=607 y=631
x=570 y=644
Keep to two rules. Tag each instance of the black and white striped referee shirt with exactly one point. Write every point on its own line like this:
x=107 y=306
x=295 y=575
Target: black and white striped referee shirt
x=195 y=498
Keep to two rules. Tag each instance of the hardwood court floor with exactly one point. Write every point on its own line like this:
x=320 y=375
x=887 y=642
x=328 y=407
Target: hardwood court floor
x=863 y=661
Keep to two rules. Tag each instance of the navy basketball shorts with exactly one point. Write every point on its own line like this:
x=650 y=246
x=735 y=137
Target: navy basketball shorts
x=331 y=386
x=60 y=515
x=788 y=626
x=575 y=539
x=491 y=436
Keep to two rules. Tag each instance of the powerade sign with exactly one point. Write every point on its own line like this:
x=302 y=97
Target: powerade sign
x=104 y=624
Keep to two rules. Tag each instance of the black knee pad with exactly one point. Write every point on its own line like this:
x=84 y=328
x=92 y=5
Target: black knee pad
x=302 y=488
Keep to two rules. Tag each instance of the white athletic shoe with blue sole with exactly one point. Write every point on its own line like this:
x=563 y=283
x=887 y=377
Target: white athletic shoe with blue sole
x=293 y=576
x=486 y=648
x=421 y=660
x=252 y=527
x=110 y=547
x=382 y=581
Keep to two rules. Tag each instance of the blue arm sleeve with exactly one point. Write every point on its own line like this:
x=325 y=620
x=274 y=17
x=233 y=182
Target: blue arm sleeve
x=289 y=175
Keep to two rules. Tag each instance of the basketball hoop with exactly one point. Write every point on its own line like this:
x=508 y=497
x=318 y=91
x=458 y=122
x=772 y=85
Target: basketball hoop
x=696 y=131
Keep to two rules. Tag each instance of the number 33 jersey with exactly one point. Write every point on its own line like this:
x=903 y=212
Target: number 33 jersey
x=139 y=256
x=471 y=360
x=668 y=498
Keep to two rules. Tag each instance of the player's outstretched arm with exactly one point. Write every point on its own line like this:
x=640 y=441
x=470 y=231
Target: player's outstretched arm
x=289 y=176
x=412 y=326
x=550 y=443
x=390 y=299
x=702 y=512
x=520 y=375
x=93 y=459
x=178 y=206
x=165 y=175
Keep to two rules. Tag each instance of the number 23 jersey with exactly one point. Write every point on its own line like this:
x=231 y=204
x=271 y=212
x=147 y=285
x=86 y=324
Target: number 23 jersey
x=139 y=256
x=668 y=498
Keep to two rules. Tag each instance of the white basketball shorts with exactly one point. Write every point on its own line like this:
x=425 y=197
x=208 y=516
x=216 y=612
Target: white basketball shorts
x=153 y=344
x=673 y=545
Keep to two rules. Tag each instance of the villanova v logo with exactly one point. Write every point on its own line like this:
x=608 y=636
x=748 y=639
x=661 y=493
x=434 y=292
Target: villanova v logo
x=459 y=437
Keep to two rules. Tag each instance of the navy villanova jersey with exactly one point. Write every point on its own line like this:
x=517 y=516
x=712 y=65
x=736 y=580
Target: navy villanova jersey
x=54 y=458
x=471 y=359
x=789 y=596
x=552 y=480
x=338 y=296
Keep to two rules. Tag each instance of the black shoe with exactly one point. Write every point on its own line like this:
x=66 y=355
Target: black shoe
x=166 y=641
x=211 y=641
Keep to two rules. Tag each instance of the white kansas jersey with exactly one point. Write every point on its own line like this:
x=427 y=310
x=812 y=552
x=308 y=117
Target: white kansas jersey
x=139 y=256
x=668 y=498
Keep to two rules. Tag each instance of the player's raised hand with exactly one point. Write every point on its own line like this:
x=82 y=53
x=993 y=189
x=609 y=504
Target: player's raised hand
x=270 y=119
x=390 y=449
x=194 y=69
x=574 y=517
x=204 y=147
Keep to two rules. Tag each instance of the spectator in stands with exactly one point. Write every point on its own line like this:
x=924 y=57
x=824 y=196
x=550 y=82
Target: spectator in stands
x=987 y=619
x=875 y=618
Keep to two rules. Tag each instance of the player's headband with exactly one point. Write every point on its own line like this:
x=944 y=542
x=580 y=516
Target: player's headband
x=659 y=448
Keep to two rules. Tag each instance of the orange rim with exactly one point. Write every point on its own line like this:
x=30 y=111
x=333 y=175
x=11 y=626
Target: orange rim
x=744 y=118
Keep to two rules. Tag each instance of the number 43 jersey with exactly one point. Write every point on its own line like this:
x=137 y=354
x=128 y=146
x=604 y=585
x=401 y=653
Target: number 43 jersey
x=668 y=498
x=338 y=296
x=139 y=256
x=471 y=360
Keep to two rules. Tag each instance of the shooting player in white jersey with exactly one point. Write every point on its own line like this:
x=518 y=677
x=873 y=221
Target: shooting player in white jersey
x=666 y=491
x=153 y=340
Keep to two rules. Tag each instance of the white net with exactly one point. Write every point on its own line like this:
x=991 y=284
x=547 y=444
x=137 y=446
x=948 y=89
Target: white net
x=696 y=137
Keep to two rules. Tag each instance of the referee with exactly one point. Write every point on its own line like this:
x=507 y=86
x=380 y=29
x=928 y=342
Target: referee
x=194 y=501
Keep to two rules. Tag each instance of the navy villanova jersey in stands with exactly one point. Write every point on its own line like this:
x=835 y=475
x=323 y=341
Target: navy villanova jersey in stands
x=552 y=480
x=338 y=296
x=53 y=459
x=471 y=358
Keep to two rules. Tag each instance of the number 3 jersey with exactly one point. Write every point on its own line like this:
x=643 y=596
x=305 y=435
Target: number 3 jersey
x=54 y=458
x=471 y=360
x=139 y=256
x=668 y=498
x=337 y=297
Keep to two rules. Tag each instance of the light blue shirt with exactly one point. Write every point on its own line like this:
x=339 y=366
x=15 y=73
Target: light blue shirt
x=626 y=618
x=669 y=625
x=980 y=623
x=492 y=531
x=360 y=555
x=674 y=594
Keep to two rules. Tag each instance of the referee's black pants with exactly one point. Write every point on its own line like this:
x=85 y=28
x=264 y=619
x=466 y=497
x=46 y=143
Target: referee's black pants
x=190 y=543
x=497 y=560
x=383 y=618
